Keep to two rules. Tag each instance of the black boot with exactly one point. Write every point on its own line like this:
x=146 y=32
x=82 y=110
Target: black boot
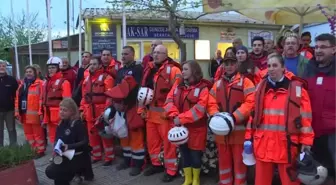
x=153 y=170
x=135 y=171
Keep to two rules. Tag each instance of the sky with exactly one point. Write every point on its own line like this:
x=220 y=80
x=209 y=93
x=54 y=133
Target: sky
x=58 y=11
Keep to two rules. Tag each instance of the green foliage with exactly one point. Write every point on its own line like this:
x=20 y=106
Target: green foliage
x=7 y=27
x=11 y=156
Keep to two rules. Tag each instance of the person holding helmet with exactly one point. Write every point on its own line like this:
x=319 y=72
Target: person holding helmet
x=55 y=88
x=161 y=76
x=124 y=97
x=233 y=94
x=111 y=65
x=93 y=104
x=27 y=109
x=281 y=125
x=186 y=105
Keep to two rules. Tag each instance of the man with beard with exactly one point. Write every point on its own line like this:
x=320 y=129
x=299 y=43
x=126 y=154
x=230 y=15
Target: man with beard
x=258 y=55
x=111 y=65
x=294 y=62
x=320 y=75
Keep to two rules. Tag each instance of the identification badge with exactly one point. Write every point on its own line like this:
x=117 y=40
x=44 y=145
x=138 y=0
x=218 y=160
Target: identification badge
x=24 y=105
x=58 y=160
x=298 y=91
x=319 y=80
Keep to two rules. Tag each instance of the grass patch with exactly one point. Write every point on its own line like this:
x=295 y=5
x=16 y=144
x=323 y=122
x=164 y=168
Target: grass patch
x=11 y=156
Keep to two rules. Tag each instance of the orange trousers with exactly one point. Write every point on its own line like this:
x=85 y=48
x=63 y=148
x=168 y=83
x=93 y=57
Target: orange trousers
x=157 y=134
x=134 y=147
x=35 y=136
x=96 y=141
x=265 y=171
x=232 y=170
x=52 y=127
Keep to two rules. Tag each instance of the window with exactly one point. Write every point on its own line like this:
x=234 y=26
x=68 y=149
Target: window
x=137 y=49
x=173 y=50
x=202 y=49
x=223 y=46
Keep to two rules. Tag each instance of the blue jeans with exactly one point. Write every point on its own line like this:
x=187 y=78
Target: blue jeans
x=190 y=158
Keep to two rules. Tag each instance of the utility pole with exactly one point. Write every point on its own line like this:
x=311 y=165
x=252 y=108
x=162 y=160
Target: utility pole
x=73 y=17
x=68 y=31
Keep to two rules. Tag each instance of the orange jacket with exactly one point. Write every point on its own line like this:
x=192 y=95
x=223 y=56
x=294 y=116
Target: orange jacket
x=238 y=96
x=259 y=75
x=93 y=89
x=113 y=68
x=282 y=120
x=54 y=90
x=187 y=106
x=219 y=73
x=166 y=78
x=32 y=115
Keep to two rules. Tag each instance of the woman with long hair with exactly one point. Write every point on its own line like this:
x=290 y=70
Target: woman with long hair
x=186 y=105
x=245 y=66
x=27 y=109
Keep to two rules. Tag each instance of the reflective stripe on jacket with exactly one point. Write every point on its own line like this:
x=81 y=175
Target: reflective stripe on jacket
x=34 y=102
x=166 y=78
x=236 y=97
x=282 y=120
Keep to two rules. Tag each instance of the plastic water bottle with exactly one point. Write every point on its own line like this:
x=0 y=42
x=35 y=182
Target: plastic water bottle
x=248 y=149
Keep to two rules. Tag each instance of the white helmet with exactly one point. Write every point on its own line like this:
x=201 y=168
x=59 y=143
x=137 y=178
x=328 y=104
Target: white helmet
x=55 y=61
x=145 y=96
x=178 y=135
x=221 y=124
x=309 y=171
x=109 y=113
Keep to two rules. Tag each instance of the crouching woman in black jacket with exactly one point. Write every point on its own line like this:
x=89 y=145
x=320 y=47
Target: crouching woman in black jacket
x=74 y=135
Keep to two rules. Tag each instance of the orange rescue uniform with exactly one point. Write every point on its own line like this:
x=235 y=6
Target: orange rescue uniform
x=166 y=78
x=187 y=106
x=235 y=96
x=93 y=104
x=282 y=121
x=55 y=88
x=30 y=118
x=113 y=68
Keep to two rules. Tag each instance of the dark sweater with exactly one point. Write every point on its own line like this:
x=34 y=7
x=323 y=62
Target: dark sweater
x=8 y=87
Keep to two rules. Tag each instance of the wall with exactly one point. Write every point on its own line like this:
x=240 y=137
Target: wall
x=73 y=54
x=210 y=32
x=317 y=30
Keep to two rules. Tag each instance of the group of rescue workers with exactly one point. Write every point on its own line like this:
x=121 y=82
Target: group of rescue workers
x=170 y=106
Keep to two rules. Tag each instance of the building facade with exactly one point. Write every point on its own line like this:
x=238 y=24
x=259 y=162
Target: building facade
x=203 y=36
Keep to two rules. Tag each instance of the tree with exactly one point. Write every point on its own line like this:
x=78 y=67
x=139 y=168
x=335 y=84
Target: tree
x=7 y=27
x=175 y=9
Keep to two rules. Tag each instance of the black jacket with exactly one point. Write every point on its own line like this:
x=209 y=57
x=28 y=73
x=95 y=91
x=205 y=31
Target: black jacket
x=213 y=67
x=8 y=87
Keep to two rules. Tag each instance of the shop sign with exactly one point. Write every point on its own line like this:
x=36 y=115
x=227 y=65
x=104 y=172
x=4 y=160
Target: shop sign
x=143 y=31
x=261 y=33
x=104 y=36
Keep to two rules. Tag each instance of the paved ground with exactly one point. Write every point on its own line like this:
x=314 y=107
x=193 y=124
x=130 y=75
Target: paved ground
x=105 y=175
